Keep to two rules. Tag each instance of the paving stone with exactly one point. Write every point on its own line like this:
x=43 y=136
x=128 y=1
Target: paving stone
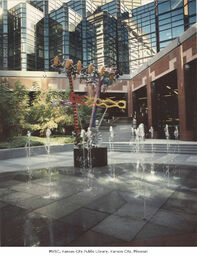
x=16 y=197
x=30 y=188
x=22 y=230
x=7 y=212
x=84 y=218
x=58 y=234
x=150 y=231
x=2 y=204
x=172 y=220
x=66 y=206
x=8 y=183
x=119 y=227
x=139 y=210
x=34 y=202
x=57 y=209
x=109 y=203
x=4 y=191
x=183 y=204
x=92 y=238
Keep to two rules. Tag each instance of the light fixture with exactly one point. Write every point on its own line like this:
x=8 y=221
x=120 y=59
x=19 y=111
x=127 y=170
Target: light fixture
x=1 y=10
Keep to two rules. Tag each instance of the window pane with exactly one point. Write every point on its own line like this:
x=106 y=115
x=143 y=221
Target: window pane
x=176 y=4
x=177 y=31
x=165 y=35
x=164 y=7
x=192 y=8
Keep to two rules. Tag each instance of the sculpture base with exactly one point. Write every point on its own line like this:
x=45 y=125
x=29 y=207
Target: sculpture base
x=97 y=157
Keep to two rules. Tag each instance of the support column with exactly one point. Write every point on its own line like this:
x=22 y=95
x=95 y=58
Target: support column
x=130 y=98
x=184 y=133
x=149 y=98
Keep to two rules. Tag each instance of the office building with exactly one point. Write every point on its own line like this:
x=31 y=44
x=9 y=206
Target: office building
x=129 y=38
x=130 y=4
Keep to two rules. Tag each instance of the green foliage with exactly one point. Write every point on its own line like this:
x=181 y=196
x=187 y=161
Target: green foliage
x=13 y=108
x=42 y=114
x=19 y=112
x=20 y=141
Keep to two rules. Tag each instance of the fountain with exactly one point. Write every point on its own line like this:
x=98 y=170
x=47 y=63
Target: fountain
x=48 y=149
x=141 y=132
x=167 y=136
x=134 y=122
x=111 y=138
x=176 y=136
x=132 y=133
x=166 y=131
x=28 y=144
x=151 y=130
x=48 y=144
x=28 y=156
x=176 y=133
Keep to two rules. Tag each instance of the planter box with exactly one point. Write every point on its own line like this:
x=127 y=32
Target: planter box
x=98 y=157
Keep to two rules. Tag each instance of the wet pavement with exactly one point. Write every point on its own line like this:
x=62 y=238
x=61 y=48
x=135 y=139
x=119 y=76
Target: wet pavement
x=122 y=204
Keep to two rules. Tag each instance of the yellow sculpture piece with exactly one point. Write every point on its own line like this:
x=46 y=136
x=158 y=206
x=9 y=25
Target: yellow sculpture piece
x=79 y=66
x=56 y=61
x=68 y=63
x=90 y=69
x=102 y=71
x=107 y=103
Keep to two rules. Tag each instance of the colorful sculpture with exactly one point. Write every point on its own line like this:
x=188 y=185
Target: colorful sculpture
x=100 y=80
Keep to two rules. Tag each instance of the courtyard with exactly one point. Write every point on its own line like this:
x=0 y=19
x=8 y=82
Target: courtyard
x=136 y=200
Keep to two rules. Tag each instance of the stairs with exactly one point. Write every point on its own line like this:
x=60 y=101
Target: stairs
x=124 y=143
x=154 y=147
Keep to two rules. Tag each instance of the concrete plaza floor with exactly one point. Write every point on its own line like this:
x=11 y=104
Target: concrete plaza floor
x=137 y=200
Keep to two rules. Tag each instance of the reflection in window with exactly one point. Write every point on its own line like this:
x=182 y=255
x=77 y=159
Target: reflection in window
x=166 y=34
x=176 y=4
x=164 y=7
x=192 y=8
x=192 y=20
x=177 y=31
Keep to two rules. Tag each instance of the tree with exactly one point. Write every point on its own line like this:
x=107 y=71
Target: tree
x=13 y=109
x=42 y=114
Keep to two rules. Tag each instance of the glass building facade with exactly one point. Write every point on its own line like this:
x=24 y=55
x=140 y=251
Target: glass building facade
x=130 y=4
x=65 y=34
x=25 y=45
x=3 y=35
x=105 y=42
x=163 y=21
x=111 y=33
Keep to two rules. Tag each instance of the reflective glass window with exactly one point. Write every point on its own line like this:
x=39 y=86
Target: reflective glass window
x=177 y=31
x=177 y=23
x=164 y=27
x=178 y=17
x=165 y=16
x=177 y=12
x=192 y=7
x=164 y=7
x=176 y=4
x=164 y=44
x=192 y=20
x=165 y=35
